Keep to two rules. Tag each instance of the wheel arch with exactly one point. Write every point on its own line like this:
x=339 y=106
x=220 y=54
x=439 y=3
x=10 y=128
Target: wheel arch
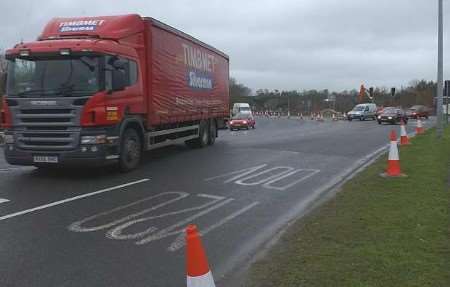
x=136 y=124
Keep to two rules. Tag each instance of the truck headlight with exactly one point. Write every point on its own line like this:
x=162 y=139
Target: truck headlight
x=100 y=139
x=8 y=139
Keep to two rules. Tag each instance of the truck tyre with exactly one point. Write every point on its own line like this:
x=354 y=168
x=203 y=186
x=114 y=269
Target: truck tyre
x=130 y=150
x=203 y=136
x=212 y=131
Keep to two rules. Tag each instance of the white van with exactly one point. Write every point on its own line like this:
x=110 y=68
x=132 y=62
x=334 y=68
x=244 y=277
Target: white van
x=363 y=112
x=241 y=108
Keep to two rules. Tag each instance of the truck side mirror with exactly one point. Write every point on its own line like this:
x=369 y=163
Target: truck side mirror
x=118 y=80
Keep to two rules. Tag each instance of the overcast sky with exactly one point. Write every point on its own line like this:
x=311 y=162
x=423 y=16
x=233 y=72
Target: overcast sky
x=279 y=44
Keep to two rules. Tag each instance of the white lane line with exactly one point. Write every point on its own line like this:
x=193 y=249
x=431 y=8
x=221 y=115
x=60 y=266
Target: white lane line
x=70 y=199
x=3 y=200
x=9 y=169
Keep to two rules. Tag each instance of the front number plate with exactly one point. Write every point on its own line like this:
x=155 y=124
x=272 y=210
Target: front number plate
x=45 y=159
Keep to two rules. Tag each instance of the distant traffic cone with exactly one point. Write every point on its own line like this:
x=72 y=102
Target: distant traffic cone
x=334 y=117
x=312 y=116
x=404 y=140
x=198 y=273
x=393 y=168
x=419 y=127
x=301 y=116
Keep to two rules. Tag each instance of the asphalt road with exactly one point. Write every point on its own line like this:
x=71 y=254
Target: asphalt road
x=98 y=227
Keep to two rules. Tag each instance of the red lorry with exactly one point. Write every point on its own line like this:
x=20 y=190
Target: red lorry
x=95 y=90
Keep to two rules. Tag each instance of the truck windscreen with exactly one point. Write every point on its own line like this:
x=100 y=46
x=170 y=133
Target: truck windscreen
x=35 y=77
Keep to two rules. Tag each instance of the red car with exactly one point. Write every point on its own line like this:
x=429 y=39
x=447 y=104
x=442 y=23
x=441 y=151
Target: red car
x=242 y=122
x=418 y=111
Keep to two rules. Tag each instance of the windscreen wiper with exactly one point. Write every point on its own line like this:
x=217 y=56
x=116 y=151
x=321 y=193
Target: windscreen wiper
x=31 y=92
x=65 y=89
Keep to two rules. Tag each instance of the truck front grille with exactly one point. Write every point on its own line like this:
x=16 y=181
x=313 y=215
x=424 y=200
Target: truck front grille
x=47 y=129
x=48 y=140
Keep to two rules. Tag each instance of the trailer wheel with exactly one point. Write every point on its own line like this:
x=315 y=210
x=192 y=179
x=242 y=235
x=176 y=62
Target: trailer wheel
x=130 y=150
x=212 y=131
x=203 y=136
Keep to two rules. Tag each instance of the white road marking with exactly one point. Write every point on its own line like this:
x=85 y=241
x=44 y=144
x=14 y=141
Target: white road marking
x=76 y=226
x=311 y=172
x=3 y=200
x=210 y=196
x=151 y=232
x=240 y=173
x=70 y=199
x=9 y=169
x=168 y=231
x=285 y=169
x=180 y=241
x=243 y=176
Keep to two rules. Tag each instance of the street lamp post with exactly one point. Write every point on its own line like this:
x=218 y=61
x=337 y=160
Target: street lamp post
x=440 y=76
x=289 y=106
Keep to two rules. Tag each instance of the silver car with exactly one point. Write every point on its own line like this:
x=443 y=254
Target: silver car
x=363 y=112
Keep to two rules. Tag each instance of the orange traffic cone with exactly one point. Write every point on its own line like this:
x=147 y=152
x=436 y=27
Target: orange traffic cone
x=198 y=273
x=393 y=168
x=404 y=140
x=419 y=127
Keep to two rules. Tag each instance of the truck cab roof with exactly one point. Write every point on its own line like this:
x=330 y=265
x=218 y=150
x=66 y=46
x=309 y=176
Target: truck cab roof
x=87 y=30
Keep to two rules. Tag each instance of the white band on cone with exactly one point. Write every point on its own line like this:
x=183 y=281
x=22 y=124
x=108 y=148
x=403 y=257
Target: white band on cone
x=403 y=131
x=393 y=151
x=201 y=281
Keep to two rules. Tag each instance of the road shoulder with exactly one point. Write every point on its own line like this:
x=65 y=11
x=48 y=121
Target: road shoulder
x=376 y=232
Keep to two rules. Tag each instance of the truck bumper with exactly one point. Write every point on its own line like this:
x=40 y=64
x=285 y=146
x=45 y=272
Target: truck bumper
x=85 y=155
x=102 y=156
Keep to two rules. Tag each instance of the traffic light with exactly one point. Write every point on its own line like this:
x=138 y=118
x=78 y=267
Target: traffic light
x=362 y=93
x=393 y=92
x=446 y=88
x=371 y=92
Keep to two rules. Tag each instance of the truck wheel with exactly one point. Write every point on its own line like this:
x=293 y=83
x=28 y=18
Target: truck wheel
x=212 y=132
x=130 y=150
x=203 y=137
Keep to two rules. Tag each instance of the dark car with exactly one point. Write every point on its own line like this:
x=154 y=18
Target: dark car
x=379 y=111
x=242 y=121
x=392 y=115
x=418 y=111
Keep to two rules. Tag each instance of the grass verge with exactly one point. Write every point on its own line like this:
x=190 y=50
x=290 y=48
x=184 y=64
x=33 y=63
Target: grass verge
x=375 y=232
